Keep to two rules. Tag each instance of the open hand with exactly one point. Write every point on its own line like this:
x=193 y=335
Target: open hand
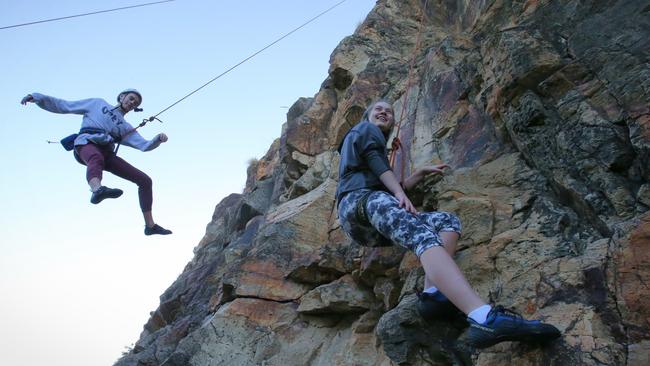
x=434 y=169
x=420 y=173
x=27 y=99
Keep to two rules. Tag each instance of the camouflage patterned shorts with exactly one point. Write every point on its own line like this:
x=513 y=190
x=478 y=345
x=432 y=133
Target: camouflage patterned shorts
x=391 y=224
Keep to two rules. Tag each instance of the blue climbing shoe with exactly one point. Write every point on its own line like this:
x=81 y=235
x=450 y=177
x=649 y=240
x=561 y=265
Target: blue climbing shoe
x=436 y=306
x=104 y=192
x=156 y=230
x=505 y=325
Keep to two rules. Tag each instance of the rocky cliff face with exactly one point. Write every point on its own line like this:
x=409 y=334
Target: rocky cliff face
x=542 y=109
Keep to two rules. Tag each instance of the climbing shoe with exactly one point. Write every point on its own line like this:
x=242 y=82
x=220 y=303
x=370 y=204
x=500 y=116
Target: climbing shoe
x=436 y=306
x=104 y=192
x=505 y=325
x=156 y=230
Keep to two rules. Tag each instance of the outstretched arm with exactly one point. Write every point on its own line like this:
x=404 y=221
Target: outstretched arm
x=135 y=140
x=420 y=173
x=55 y=105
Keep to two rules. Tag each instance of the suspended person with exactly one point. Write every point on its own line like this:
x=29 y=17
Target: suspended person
x=374 y=211
x=103 y=125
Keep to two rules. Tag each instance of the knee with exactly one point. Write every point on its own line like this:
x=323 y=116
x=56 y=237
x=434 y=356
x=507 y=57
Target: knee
x=95 y=159
x=455 y=221
x=145 y=181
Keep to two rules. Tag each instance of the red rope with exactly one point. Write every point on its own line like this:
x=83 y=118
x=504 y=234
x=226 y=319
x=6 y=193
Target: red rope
x=397 y=144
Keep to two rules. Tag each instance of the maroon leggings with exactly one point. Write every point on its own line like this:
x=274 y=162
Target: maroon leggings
x=97 y=158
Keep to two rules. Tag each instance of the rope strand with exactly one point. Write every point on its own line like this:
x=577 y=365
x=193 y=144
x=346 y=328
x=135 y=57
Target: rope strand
x=84 y=14
x=155 y=117
x=250 y=57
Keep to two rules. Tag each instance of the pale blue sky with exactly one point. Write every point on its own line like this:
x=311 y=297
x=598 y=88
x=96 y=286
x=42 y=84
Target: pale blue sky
x=78 y=281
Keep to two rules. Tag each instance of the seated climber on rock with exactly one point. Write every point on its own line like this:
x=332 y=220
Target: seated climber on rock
x=374 y=211
x=102 y=126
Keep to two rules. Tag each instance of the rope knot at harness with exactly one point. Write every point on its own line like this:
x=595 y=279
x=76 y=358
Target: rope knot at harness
x=150 y=119
x=144 y=122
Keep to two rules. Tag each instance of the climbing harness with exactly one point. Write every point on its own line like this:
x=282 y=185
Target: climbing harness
x=68 y=141
x=396 y=143
x=361 y=212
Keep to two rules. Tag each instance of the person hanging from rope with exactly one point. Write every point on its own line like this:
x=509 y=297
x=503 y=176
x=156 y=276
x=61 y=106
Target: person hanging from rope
x=103 y=125
x=374 y=210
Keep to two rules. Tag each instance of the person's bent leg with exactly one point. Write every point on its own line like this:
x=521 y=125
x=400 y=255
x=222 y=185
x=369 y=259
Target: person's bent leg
x=123 y=169
x=94 y=158
x=414 y=233
x=447 y=225
x=488 y=326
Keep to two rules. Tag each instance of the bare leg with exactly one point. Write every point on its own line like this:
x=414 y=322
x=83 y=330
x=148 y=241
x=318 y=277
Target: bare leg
x=449 y=240
x=441 y=271
x=148 y=219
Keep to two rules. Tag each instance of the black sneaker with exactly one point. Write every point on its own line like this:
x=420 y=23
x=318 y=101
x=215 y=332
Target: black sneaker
x=156 y=230
x=505 y=325
x=104 y=192
x=436 y=306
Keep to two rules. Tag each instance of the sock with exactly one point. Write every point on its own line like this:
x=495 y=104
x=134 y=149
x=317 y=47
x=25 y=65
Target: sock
x=438 y=295
x=480 y=314
x=431 y=290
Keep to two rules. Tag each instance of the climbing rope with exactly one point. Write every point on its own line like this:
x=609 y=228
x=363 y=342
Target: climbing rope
x=84 y=14
x=244 y=60
x=397 y=144
x=155 y=117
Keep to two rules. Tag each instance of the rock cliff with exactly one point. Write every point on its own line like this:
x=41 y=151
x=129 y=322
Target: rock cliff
x=540 y=106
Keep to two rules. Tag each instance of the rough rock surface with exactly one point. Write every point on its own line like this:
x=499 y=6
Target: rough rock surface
x=540 y=106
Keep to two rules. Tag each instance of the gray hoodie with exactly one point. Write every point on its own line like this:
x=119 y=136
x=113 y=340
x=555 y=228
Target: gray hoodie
x=98 y=114
x=363 y=159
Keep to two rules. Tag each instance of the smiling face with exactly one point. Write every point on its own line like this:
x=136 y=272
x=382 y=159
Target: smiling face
x=381 y=115
x=129 y=101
